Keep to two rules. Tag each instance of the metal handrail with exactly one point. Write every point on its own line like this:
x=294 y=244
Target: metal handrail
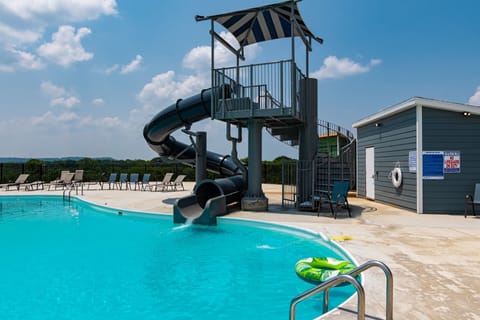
x=350 y=277
x=69 y=188
x=389 y=283
x=330 y=127
x=328 y=284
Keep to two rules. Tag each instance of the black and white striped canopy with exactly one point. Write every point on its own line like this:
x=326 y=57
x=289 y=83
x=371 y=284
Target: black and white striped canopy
x=264 y=23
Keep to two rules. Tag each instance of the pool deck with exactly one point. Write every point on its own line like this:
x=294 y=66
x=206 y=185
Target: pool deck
x=435 y=259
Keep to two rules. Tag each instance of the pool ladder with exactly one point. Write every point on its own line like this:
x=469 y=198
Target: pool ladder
x=350 y=277
x=70 y=188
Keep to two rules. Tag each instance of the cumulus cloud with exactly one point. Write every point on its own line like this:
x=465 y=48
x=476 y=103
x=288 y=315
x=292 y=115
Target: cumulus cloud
x=199 y=58
x=64 y=10
x=334 y=68
x=65 y=101
x=49 y=118
x=58 y=95
x=167 y=87
x=132 y=66
x=98 y=101
x=66 y=47
x=26 y=20
x=112 y=69
x=107 y=122
x=475 y=99
x=51 y=89
x=21 y=60
x=12 y=37
x=73 y=120
x=28 y=61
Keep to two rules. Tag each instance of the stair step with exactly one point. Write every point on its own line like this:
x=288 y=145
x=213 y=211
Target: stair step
x=281 y=131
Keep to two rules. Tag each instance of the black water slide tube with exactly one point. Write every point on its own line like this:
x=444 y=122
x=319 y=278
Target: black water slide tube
x=183 y=114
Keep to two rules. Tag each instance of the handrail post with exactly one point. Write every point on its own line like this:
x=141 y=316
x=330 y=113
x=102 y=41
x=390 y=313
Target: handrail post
x=325 y=300
x=389 y=283
x=328 y=284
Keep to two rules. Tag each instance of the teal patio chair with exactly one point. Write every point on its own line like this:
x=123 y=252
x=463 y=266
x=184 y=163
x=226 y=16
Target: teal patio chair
x=112 y=180
x=121 y=180
x=338 y=197
x=133 y=181
x=145 y=183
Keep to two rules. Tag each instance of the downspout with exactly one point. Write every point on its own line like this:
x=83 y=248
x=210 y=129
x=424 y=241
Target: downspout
x=419 y=150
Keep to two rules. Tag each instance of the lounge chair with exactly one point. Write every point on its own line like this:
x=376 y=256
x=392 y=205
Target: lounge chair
x=133 y=180
x=472 y=200
x=58 y=181
x=78 y=177
x=35 y=185
x=121 y=180
x=112 y=180
x=145 y=183
x=164 y=183
x=66 y=182
x=21 y=179
x=177 y=182
x=338 y=197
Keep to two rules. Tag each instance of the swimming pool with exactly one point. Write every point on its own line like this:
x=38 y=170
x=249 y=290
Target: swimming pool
x=75 y=260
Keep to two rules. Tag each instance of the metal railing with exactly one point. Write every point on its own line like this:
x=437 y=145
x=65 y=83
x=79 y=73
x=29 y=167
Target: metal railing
x=325 y=286
x=289 y=183
x=269 y=85
x=326 y=128
x=350 y=277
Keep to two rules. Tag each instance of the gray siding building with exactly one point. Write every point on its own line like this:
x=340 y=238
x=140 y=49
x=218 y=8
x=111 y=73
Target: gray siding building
x=421 y=154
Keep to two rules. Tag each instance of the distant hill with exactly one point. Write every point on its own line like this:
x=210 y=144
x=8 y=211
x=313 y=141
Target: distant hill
x=23 y=160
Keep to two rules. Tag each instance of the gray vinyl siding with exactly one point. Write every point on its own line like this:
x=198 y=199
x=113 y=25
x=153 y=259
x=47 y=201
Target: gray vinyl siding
x=392 y=141
x=451 y=131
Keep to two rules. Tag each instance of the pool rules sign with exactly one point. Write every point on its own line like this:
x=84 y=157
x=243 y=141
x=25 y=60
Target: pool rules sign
x=451 y=162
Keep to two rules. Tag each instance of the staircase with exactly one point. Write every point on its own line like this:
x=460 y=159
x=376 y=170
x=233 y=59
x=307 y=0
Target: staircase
x=335 y=161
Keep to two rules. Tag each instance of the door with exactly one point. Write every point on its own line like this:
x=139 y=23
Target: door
x=370 y=173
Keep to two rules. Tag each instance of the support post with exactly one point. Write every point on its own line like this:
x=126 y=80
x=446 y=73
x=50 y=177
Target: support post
x=200 y=156
x=254 y=199
x=308 y=137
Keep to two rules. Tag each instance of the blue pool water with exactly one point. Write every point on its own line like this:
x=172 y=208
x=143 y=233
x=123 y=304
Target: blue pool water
x=77 y=261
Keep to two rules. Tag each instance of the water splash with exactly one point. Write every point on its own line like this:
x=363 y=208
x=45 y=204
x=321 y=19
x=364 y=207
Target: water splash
x=265 y=246
x=188 y=223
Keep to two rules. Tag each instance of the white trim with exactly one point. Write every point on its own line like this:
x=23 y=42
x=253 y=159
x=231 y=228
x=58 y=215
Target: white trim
x=419 y=142
x=415 y=101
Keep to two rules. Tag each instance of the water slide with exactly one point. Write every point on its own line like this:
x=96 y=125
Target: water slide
x=210 y=198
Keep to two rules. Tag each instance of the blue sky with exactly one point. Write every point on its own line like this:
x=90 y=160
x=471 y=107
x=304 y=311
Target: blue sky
x=82 y=77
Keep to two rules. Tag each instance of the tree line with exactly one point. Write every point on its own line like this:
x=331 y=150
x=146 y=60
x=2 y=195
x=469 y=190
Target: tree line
x=100 y=169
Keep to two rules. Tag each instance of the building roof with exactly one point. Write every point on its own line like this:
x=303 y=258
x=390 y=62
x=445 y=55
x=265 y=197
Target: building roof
x=414 y=102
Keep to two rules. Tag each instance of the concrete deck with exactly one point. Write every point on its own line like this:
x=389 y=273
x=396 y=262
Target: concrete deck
x=435 y=259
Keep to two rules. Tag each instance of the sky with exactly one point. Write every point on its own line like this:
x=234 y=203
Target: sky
x=83 y=77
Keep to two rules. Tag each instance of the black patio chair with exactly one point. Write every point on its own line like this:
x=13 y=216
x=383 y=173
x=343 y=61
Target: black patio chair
x=472 y=200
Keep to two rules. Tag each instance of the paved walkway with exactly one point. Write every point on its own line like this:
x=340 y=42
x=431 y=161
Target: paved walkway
x=435 y=259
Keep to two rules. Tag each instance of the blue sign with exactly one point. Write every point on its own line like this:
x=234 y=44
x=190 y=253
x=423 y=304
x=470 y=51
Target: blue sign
x=433 y=165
